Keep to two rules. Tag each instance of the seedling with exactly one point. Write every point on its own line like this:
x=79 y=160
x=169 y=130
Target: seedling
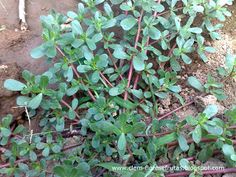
x=211 y=86
x=229 y=70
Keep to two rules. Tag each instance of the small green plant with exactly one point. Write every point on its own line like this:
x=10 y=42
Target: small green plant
x=108 y=72
x=229 y=70
x=211 y=86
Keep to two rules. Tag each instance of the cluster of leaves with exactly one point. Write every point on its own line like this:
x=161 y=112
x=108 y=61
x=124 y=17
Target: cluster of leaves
x=211 y=86
x=229 y=69
x=206 y=122
x=205 y=126
x=108 y=74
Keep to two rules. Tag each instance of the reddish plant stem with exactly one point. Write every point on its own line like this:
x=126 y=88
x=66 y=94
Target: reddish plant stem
x=175 y=143
x=160 y=134
x=106 y=80
x=126 y=12
x=60 y=51
x=138 y=75
x=175 y=110
x=154 y=135
x=167 y=11
x=147 y=43
x=136 y=80
x=156 y=41
x=189 y=141
x=114 y=64
x=78 y=76
x=89 y=91
x=74 y=133
x=39 y=156
x=129 y=80
x=162 y=65
x=16 y=162
x=171 y=50
x=131 y=64
x=71 y=147
x=76 y=73
x=69 y=107
x=72 y=122
x=205 y=172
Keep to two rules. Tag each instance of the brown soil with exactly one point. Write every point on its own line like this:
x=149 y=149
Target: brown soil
x=16 y=45
x=7 y=98
x=200 y=70
x=217 y=59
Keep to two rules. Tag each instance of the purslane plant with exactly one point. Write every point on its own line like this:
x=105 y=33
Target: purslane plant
x=229 y=69
x=211 y=86
x=109 y=70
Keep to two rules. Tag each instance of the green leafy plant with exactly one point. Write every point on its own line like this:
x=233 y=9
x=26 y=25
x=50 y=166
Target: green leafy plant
x=109 y=70
x=229 y=69
x=211 y=86
x=5 y=129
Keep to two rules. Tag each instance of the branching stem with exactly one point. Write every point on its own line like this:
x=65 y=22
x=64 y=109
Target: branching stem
x=76 y=73
x=175 y=110
x=147 y=43
x=69 y=107
x=131 y=62
x=113 y=62
x=106 y=80
x=39 y=156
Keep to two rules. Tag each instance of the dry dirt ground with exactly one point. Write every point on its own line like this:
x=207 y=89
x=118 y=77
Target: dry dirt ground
x=16 y=45
x=217 y=59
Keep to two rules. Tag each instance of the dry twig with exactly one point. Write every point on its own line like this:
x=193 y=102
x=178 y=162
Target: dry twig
x=23 y=23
